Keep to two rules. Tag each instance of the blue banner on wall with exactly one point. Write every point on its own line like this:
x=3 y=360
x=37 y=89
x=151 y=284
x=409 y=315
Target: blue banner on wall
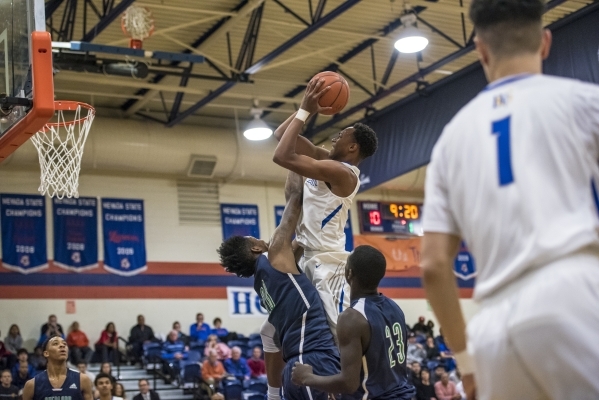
x=278 y=214
x=124 y=238
x=349 y=234
x=75 y=233
x=464 y=266
x=239 y=220
x=23 y=232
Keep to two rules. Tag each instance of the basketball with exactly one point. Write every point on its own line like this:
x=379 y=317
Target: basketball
x=338 y=96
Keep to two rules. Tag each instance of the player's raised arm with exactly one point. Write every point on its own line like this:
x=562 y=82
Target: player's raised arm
x=303 y=146
x=353 y=332
x=281 y=243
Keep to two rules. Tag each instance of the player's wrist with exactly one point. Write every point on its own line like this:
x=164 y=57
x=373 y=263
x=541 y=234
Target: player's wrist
x=465 y=362
x=302 y=115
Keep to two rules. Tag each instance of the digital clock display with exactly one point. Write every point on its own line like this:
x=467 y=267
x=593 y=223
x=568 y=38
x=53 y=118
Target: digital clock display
x=388 y=217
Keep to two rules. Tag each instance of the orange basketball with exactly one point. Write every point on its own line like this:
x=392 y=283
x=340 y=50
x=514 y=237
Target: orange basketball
x=337 y=96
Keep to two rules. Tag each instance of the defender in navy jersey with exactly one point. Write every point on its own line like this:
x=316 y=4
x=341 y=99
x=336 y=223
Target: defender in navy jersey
x=372 y=338
x=296 y=315
x=57 y=382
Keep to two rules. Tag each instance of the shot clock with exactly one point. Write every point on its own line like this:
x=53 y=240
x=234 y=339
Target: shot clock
x=390 y=217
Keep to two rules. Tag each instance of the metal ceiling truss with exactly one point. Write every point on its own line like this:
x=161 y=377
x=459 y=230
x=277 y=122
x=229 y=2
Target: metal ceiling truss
x=255 y=67
x=414 y=78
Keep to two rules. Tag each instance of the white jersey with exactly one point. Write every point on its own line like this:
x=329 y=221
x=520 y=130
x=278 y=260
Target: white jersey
x=324 y=215
x=515 y=174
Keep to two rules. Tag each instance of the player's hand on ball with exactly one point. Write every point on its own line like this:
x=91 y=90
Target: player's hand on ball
x=300 y=373
x=314 y=91
x=469 y=386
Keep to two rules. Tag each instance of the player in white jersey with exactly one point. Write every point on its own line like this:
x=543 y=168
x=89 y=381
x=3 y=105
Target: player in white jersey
x=331 y=184
x=515 y=174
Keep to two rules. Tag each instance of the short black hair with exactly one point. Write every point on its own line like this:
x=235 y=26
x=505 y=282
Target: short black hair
x=6 y=370
x=366 y=139
x=46 y=342
x=82 y=362
x=143 y=380
x=509 y=27
x=103 y=375
x=236 y=256
x=217 y=320
x=368 y=266
x=24 y=351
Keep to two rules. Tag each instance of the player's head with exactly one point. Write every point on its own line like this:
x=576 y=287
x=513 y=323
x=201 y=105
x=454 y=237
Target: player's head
x=238 y=254
x=103 y=383
x=509 y=28
x=365 y=268
x=354 y=144
x=55 y=348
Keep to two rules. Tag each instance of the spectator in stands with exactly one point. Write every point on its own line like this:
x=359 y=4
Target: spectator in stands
x=446 y=354
x=416 y=352
x=24 y=373
x=256 y=364
x=7 y=359
x=180 y=335
x=140 y=334
x=119 y=391
x=105 y=387
x=445 y=389
x=213 y=371
x=37 y=359
x=439 y=371
x=218 y=330
x=144 y=391
x=78 y=345
x=432 y=351
x=173 y=351
x=13 y=341
x=238 y=367
x=82 y=367
x=425 y=389
x=222 y=350
x=420 y=327
x=108 y=344
x=23 y=358
x=430 y=328
x=199 y=331
x=52 y=327
x=414 y=374
x=8 y=391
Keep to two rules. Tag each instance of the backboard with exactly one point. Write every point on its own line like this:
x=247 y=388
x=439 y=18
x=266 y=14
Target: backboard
x=26 y=81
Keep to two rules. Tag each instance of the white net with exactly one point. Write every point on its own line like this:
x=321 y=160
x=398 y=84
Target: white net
x=60 y=148
x=138 y=22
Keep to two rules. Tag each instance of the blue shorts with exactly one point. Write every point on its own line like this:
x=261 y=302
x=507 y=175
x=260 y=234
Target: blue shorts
x=323 y=364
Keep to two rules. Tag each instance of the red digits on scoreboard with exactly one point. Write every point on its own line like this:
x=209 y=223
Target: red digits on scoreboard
x=375 y=217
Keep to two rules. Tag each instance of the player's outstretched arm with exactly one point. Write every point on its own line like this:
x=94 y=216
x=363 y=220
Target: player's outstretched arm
x=86 y=387
x=303 y=146
x=28 y=390
x=353 y=332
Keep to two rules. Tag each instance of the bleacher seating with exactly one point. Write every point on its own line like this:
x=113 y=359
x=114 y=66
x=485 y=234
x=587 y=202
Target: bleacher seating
x=233 y=391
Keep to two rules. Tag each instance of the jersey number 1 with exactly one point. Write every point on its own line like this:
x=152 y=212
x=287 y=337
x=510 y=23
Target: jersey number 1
x=401 y=352
x=501 y=128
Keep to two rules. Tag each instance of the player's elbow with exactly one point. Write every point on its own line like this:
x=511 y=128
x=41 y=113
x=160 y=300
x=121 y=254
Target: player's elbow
x=349 y=386
x=278 y=158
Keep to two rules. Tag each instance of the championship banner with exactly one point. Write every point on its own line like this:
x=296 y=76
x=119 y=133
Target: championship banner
x=75 y=233
x=239 y=220
x=464 y=266
x=278 y=214
x=124 y=238
x=244 y=302
x=23 y=232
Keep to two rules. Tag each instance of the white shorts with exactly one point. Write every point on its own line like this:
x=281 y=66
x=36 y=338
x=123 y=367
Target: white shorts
x=326 y=271
x=539 y=337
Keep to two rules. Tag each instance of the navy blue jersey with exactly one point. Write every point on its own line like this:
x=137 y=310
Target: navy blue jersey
x=295 y=310
x=70 y=390
x=384 y=374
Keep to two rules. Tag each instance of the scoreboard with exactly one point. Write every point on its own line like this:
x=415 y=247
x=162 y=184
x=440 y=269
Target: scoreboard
x=381 y=217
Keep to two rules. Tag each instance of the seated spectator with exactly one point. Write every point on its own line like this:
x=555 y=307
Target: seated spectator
x=78 y=345
x=430 y=328
x=218 y=330
x=140 y=334
x=416 y=352
x=420 y=327
x=446 y=354
x=173 y=350
x=222 y=350
x=144 y=391
x=82 y=367
x=7 y=359
x=425 y=389
x=257 y=365
x=52 y=327
x=8 y=391
x=13 y=341
x=24 y=373
x=213 y=371
x=238 y=367
x=107 y=369
x=414 y=372
x=199 y=331
x=445 y=389
x=108 y=344
x=105 y=387
x=439 y=371
x=180 y=335
x=37 y=359
x=119 y=391
x=22 y=358
x=432 y=351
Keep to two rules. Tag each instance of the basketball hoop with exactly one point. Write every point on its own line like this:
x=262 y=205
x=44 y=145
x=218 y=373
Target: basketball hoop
x=137 y=23
x=60 y=148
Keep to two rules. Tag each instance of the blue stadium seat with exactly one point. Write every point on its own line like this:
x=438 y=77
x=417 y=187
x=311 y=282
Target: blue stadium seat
x=257 y=386
x=255 y=396
x=255 y=336
x=190 y=375
x=254 y=343
x=232 y=343
x=233 y=391
x=194 y=356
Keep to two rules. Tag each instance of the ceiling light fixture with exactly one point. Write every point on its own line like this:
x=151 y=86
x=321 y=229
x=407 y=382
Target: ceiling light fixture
x=411 y=40
x=257 y=129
